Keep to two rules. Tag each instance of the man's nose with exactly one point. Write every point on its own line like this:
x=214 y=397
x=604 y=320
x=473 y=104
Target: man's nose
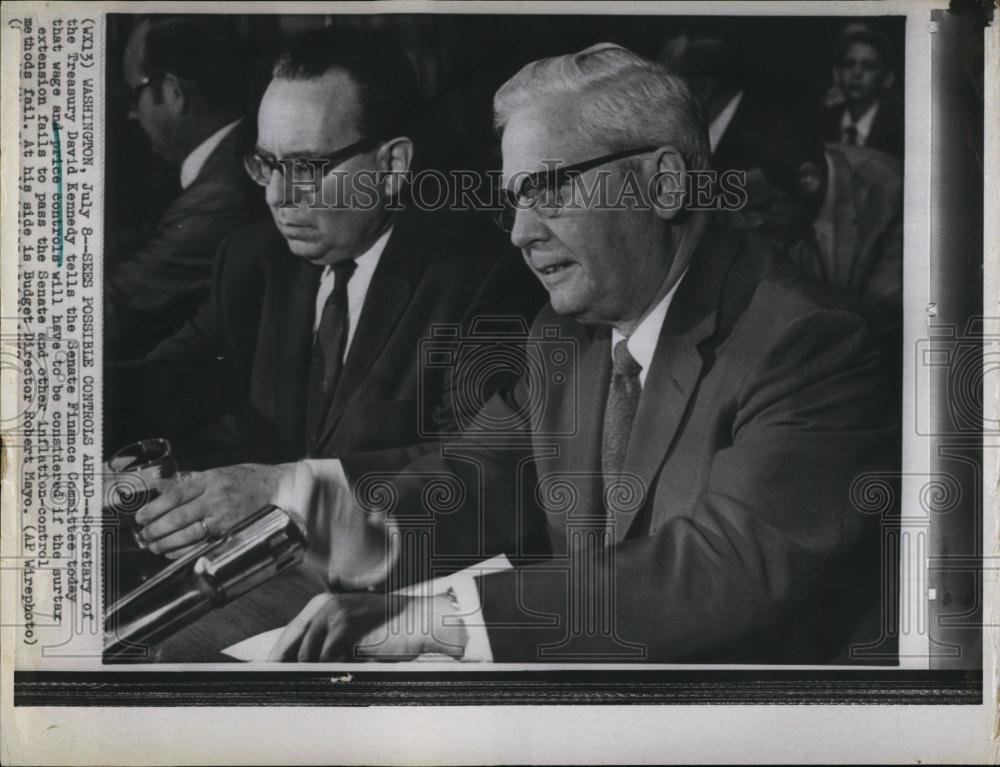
x=274 y=190
x=529 y=228
x=280 y=192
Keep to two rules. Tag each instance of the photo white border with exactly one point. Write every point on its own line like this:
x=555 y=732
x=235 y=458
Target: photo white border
x=642 y=734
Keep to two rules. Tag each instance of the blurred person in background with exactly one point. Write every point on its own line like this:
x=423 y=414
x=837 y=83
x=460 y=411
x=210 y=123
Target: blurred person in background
x=862 y=109
x=742 y=119
x=186 y=80
x=837 y=211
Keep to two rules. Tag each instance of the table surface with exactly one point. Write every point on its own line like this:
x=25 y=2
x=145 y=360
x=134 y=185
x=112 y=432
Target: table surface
x=269 y=606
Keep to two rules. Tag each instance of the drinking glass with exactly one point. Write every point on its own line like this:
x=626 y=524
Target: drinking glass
x=137 y=470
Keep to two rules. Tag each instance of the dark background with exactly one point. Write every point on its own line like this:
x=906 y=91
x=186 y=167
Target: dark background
x=462 y=59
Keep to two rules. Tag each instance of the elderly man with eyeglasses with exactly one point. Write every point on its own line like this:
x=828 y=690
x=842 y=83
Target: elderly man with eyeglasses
x=690 y=485
x=310 y=345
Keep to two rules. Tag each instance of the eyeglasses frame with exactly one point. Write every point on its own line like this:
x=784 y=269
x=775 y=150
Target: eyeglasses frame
x=332 y=159
x=553 y=178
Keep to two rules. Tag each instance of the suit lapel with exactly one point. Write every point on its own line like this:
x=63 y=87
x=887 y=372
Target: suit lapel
x=399 y=269
x=578 y=461
x=291 y=306
x=677 y=365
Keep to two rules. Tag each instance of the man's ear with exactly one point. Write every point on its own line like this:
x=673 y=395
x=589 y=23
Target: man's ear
x=394 y=158
x=173 y=94
x=667 y=182
x=887 y=80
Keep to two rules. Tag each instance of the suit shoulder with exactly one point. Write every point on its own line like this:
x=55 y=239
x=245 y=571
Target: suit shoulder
x=260 y=239
x=777 y=292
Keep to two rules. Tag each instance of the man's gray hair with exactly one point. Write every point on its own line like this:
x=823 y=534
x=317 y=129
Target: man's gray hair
x=623 y=100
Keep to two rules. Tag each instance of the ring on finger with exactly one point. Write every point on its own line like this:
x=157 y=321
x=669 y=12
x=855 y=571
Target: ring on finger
x=204 y=526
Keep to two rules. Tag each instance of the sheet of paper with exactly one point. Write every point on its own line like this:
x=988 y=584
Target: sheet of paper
x=259 y=646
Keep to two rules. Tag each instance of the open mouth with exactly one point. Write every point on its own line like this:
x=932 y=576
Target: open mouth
x=555 y=268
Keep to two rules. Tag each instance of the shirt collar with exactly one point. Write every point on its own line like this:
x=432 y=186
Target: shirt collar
x=368 y=260
x=718 y=126
x=195 y=161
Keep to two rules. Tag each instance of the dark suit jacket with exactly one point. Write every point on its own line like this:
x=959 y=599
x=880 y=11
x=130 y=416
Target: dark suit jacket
x=886 y=134
x=246 y=352
x=156 y=289
x=750 y=133
x=734 y=537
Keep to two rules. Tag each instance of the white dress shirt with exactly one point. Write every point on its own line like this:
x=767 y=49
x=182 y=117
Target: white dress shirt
x=357 y=287
x=195 y=161
x=642 y=343
x=863 y=125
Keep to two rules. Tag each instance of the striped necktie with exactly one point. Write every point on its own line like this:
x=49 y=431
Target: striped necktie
x=623 y=401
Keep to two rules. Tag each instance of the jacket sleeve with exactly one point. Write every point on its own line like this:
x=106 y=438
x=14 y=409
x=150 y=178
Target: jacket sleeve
x=190 y=378
x=773 y=524
x=466 y=499
x=502 y=312
x=162 y=283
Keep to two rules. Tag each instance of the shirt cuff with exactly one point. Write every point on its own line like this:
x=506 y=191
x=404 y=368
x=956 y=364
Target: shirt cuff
x=337 y=528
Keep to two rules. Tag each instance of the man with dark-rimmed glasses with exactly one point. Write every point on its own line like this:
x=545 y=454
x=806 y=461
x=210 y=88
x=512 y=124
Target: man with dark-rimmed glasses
x=310 y=343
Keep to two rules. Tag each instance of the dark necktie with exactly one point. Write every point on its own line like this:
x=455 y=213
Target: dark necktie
x=851 y=135
x=327 y=353
x=623 y=401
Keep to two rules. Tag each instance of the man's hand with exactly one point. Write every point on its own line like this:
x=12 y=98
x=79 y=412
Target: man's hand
x=193 y=507
x=359 y=626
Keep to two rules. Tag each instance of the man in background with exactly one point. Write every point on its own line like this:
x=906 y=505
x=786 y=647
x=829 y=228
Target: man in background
x=865 y=111
x=186 y=78
x=742 y=120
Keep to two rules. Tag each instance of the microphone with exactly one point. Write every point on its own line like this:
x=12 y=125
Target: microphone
x=260 y=547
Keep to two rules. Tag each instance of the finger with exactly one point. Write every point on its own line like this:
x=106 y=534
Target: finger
x=182 y=516
x=288 y=643
x=339 y=640
x=173 y=493
x=287 y=646
x=332 y=647
x=313 y=641
x=185 y=537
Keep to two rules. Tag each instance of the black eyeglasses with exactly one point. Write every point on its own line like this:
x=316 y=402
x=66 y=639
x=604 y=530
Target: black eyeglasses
x=548 y=190
x=260 y=166
x=135 y=93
